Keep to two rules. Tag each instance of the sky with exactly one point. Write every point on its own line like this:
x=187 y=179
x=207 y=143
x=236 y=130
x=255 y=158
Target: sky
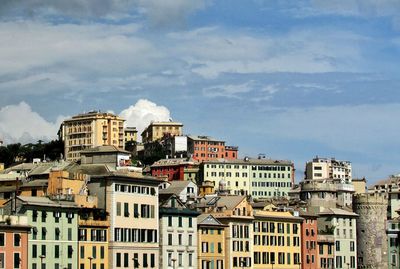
x=288 y=79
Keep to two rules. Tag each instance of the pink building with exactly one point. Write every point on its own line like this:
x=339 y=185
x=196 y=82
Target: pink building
x=14 y=242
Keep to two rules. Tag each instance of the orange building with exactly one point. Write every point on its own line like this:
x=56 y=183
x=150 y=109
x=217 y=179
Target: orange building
x=14 y=242
x=205 y=148
x=231 y=152
x=309 y=232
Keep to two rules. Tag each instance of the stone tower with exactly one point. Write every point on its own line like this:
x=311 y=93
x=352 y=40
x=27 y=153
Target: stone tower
x=372 y=243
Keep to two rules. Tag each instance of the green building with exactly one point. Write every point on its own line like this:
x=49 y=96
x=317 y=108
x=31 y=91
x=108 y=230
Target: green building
x=53 y=242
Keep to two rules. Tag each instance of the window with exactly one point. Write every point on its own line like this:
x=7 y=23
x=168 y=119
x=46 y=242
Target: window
x=190 y=243
x=190 y=259
x=126 y=259
x=337 y=245
x=169 y=221
x=69 y=234
x=118 y=209
x=17 y=260
x=56 y=251
x=180 y=239
x=2 y=262
x=94 y=252
x=82 y=252
x=2 y=240
x=44 y=215
x=17 y=240
x=43 y=250
x=126 y=210
x=70 y=251
x=180 y=222
x=34 y=215
x=180 y=259
x=170 y=239
x=145 y=265
x=44 y=231
x=152 y=260
x=190 y=222
x=118 y=260
x=34 y=251
x=102 y=252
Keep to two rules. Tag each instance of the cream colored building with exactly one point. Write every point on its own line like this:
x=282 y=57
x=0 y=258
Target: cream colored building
x=260 y=178
x=328 y=168
x=89 y=130
x=132 y=203
x=156 y=130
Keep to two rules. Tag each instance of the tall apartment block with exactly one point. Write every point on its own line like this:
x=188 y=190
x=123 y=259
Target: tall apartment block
x=90 y=130
x=157 y=130
x=328 y=168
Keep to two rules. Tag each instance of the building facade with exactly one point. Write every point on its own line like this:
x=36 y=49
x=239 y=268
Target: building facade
x=89 y=130
x=205 y=148
x=178 y=234
x=309 y=240
x=132 y=202
x=324 y=168
x=211 y=242
x=157 y=130
x=260 y=178
x=14 y=241
x=277 y=240
x=176 y=169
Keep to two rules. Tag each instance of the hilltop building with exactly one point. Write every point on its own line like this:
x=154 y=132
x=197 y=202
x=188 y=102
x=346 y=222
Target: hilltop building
x=260 y=178
x=328 y=168
x=88 y=130
x=157 y=130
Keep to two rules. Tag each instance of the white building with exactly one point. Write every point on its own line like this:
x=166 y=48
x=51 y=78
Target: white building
x=178 y=234
x=328 y=168
x=187 y=191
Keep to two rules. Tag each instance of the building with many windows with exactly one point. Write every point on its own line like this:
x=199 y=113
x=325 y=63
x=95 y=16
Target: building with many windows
x=132 y=202
x=205 y=148
x=53 y=242
x=237 y=214
x=211 y=242
x=328 y=168
x=260 y=178
x=277 y=240
x=157 y=130
x=178 y=234
x=93 y=233
x=309 y=240
x=89 y=130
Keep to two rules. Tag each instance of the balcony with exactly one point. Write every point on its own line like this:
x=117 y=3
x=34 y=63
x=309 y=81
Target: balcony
x=94 y=223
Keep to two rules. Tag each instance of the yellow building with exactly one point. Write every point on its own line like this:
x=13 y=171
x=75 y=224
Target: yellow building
x=157 y=130
x=211 y=242
x=89 y=130
x=130 y=134
x=277 y=240
x=93 y=239
x=237 y=214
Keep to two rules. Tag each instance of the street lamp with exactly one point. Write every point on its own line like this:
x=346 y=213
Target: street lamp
x=42 y=257
x=90 y=262
x=173 y=262
x=135 y=262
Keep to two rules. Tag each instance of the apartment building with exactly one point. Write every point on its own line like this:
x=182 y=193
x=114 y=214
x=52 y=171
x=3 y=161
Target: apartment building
x=178 y=234
x=260 y=178
x=14 y=241
x=53 y=242
x=211 y=242
x=132 y=202
x=343 y=224
x=93 y=230
x=277 y=239
x=205 y=148
x=309 y=240
x=130 y=134
x=157 y=130
x=237 y=214
x=89 y=130
x=328 y=168
x=176 y=169
x=186 y=191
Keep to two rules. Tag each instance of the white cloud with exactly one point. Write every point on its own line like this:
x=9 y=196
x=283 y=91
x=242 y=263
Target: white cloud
x=18 y=123
x=142 y=113
x=228 y=90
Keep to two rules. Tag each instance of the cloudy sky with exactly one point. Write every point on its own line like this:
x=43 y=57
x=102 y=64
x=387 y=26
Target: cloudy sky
x=289 y=79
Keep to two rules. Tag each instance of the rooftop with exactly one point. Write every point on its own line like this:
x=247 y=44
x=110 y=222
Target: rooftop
x=250 y=161
x=44 y=201
x=104 y=149
x=204 y=138
x=174 y=161
x=176 y=187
